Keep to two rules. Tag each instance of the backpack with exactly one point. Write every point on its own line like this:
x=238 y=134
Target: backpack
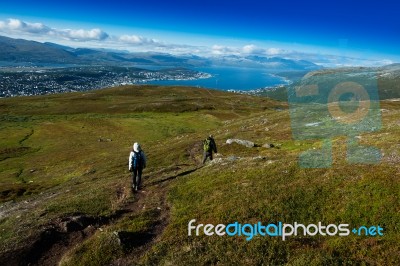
x=207 y=144
x=137 y=160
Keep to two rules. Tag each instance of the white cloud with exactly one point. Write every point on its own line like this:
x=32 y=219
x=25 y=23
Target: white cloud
x=276 y=51
x=20 y=26
x=385 y=62
x=17 y=27
x=137 y=40
x=83 y=35
x=252 y=49
x=223 y=50
x=249 y=49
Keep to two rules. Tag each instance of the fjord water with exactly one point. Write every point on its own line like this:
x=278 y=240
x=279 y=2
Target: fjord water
x=231 y=78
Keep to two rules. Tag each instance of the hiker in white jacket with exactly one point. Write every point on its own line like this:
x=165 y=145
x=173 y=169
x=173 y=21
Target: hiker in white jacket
x=137 y=162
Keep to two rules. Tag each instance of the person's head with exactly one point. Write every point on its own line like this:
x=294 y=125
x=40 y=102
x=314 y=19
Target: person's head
x=136 y=147
x=210 y=136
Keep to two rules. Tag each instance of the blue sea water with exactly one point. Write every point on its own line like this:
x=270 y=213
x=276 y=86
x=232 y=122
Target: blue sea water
x=231 y=78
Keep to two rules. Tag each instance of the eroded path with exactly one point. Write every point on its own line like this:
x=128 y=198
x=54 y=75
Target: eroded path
x=61 y=235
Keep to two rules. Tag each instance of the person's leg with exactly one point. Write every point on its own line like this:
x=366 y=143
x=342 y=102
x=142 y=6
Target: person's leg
x=139 y=178
x=204 y=157
x=134 y=175
x=211 y=156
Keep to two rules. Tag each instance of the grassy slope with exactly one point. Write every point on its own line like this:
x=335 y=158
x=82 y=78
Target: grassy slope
x=388 y=87
x=50 y=149
x=276 y=189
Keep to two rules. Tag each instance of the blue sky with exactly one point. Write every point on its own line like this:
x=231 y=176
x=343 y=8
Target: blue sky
x=345 y=29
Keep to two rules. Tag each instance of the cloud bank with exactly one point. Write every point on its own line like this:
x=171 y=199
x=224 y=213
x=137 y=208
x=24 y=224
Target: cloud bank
x=16 y=26
x=20 y=26
x=135 y=39
x=249 y=49
x=97 y=38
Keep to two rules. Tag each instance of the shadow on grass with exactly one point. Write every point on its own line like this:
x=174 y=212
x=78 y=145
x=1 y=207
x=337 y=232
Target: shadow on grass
x=173 y=177
x=132 y=240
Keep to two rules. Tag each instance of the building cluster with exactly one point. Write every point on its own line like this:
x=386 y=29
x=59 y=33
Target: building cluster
x=20 y=82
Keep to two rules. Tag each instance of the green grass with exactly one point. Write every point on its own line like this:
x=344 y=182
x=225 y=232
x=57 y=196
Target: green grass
x=249 y=191
x=51 y=157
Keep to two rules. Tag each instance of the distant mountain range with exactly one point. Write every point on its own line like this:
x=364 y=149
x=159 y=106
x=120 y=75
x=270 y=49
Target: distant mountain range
x=19 y=52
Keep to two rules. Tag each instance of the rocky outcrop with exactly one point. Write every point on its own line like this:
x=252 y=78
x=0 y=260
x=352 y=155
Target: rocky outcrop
x=247 y=143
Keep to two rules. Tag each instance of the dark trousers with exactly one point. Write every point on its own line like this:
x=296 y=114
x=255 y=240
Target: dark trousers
x=207 y=154
x=137 y=177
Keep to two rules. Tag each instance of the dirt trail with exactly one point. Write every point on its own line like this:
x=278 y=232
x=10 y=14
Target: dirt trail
x=25 y=138
x=62 y=235
x=142 y=242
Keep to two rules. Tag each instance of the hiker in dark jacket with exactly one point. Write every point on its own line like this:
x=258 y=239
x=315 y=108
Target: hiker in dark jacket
x=209 y=146
x=137 y=162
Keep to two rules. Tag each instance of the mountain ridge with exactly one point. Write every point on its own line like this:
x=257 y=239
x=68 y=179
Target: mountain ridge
x=20 y=51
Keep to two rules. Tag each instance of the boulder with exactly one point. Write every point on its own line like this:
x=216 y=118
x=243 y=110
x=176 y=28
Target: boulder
x=75 y=223
x=247 y=143
x=268 y=145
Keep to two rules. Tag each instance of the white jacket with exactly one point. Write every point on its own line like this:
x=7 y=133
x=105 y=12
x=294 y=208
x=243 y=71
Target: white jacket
x=132 y=154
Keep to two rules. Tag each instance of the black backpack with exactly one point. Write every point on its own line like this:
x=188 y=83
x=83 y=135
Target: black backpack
x=137 y=160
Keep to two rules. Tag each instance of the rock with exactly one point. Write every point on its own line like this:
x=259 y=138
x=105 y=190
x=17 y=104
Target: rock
x=247 y=143
x=232 y=158
x=89 y=230
x=268 y=145
x=218 y=155
x=117 y=236
x=75 y=223
x=104 y=140
x=216 y=161
x=69 y=226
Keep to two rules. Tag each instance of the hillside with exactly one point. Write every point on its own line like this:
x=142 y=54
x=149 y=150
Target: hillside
x=19 y=50
x=65 y=189
x=386 y=78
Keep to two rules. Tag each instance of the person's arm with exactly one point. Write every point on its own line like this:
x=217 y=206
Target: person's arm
x=130 y=161
x=144 y=159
